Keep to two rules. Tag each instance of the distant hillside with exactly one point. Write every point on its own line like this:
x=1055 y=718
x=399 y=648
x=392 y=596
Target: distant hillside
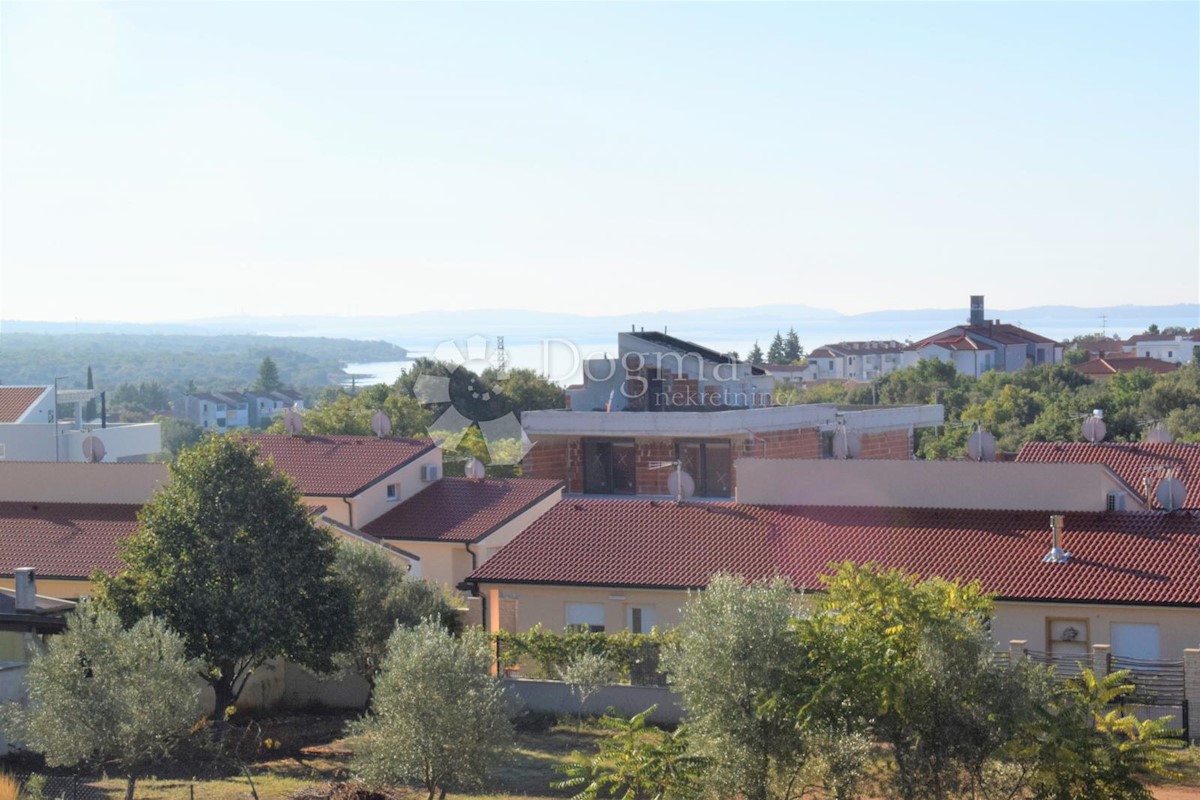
x=212 y=362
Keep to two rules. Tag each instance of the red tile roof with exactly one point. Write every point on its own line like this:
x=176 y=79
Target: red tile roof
x=16 y=400
x=461 y=510
x=1111 y=365
x=1117 y=557
x=1132 y=462
x=956 y=343
x=338 y=466
x=63 y=540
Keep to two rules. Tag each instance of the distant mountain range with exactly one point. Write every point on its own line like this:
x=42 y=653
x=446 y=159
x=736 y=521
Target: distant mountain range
x=716 y=327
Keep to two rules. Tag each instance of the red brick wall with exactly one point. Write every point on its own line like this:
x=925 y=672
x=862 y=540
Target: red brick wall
x=557 y=458
x=886 y=445
x=561 y=457
x=795 y=443
x=653 y=481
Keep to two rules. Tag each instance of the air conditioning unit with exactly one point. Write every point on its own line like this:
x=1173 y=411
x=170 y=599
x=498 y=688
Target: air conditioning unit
x=431 y=472
x=1116 y=501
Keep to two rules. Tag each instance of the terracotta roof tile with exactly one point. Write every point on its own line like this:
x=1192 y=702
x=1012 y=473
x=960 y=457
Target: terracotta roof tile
x=63 y=540
x=461 y=510
x=16 y=400
x=1111 y=365
x=1117 y=557
x=1132 y=462
x=338 y=466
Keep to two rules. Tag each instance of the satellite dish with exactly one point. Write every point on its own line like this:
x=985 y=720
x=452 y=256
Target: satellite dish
x=292 y=422
x=981 y=446
x=680 y=484
x=846 y=444
x=475 y=470
x=1170 y=494
x=1094 y=429
x=1159 y=433
x=381 y=424
x=93 y=449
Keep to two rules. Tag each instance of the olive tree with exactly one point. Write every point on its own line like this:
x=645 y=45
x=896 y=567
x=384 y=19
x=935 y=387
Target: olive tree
x=734 y=664
x=383 y=597
x=109 y=697
x=438 y=717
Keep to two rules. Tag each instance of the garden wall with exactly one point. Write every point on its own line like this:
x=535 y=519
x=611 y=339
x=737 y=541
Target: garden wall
x=556 y=697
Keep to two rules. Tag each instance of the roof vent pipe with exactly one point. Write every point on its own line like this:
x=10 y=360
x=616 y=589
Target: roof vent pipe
x=1056 y=555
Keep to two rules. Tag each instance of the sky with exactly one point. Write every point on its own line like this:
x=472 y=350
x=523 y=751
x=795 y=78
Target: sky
x=174 y=160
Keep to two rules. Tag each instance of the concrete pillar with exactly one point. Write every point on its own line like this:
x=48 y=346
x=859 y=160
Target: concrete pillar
x=1016 y=651
x=1191 y=690
x=1100 y=656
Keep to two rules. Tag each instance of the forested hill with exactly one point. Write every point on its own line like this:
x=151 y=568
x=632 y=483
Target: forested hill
x=211 y=362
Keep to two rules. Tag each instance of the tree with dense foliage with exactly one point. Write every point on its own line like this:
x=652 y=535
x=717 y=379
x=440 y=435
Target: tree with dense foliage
x=340 y=413
x=523 y=390
x=268 y=376
x=228 y=556
x=792 y=350
x=107 y=696
x=756 y=355
x=385 y=597
x=777 y=351
x=734 y=668
x=177 y=435
x=636 y=762
x=1084 y=746
x=89 y=410
x=438 y=718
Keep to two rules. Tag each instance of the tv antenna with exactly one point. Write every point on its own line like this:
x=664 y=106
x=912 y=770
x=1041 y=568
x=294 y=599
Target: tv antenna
x=679 y=483
x=1159 y=433
x=1094 y=429
x=981 y=446
x=293 y=423
x=501 y=355
x=846 y=443
x=381 y=424
x=474 y=469
x=1171 y=493
x=93 y=449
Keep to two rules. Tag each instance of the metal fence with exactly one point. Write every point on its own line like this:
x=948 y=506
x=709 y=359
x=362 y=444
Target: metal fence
x=1157 y=684
x=36 y=786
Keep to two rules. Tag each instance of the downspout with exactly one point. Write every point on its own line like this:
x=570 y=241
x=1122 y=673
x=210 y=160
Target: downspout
x=350 y=511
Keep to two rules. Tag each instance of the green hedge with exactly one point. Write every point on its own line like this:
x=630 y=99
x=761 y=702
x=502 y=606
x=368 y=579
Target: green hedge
x=634 y=656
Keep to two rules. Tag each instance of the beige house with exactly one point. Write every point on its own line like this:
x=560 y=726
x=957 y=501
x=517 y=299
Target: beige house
x=1132 y=579
x=457 y=524
x=64 y=520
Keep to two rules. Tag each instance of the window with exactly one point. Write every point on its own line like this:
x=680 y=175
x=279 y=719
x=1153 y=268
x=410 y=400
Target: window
x=585 y=617
x=1135 y=640
x=609 y=467
x=831 y=364
x=710 y=466
x=639 y=619
x=393 y=491
x=1170 y=354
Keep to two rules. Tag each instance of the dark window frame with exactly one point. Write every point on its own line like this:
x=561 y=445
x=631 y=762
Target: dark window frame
x=611 y=481
x=701 y=476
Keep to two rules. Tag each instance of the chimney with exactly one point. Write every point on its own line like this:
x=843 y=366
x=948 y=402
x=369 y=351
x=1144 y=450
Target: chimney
x=26 y=589
x=1056 y=555
x=977 y=309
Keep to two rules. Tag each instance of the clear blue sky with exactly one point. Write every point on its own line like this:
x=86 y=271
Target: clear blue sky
x=181 y=160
